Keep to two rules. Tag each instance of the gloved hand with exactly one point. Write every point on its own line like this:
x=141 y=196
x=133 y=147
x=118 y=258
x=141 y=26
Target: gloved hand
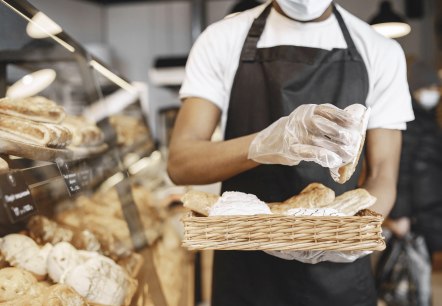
x=321 y=133
x=313 y=257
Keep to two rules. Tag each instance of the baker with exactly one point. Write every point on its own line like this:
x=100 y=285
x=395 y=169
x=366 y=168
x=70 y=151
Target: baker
x=248 y=71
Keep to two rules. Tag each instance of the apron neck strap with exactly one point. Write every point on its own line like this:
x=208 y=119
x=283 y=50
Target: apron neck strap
x=348 y=40
x=248 y=53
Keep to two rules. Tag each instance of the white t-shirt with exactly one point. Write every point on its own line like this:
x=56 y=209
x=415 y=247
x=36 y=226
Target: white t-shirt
x=214 y=59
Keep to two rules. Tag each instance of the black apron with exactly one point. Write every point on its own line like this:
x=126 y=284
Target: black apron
x=271 y=83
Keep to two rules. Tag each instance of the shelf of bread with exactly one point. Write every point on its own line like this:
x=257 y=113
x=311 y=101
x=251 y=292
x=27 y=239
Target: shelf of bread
x=83 y=255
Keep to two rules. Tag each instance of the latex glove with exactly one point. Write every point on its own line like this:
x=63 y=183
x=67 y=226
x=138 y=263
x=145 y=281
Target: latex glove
x=313 y=257
x=321 y=133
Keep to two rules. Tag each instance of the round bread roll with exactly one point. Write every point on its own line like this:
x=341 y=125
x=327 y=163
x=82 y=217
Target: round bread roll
x=14 y=283
x=100 y=280
x=21 y=251
x=62 y=258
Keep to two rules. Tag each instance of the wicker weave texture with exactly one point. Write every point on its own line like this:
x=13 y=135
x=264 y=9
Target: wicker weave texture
x=278 y=232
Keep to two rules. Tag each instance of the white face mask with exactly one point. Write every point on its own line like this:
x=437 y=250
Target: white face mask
x=428 y=98
x=304 y=10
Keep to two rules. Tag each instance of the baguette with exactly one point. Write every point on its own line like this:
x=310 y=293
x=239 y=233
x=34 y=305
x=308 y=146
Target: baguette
x=36 y=108
x=47 y=135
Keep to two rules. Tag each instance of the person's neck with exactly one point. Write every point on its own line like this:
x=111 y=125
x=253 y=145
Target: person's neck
x=327 y=13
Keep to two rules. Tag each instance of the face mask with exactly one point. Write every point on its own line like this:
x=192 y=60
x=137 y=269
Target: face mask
x=304 y=10
x=429 y=98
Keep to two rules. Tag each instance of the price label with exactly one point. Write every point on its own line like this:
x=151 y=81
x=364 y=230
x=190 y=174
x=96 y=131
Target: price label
x=76 y=174
x=16 y=197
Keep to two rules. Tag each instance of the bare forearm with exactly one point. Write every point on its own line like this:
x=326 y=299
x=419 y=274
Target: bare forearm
x=204 y=162
x=384 y=189
x=383 y=154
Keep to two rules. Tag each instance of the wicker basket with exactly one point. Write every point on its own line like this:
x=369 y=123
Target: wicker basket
x=362 y=232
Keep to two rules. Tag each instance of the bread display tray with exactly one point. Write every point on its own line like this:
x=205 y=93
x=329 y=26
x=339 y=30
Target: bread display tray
x=31 y=151
x=361 y=232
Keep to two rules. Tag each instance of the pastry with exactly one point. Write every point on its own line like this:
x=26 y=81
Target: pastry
x=199 y=201
x=344 y=173
x=60 y=136
x=353 y=201
x=36 y=108
x=43 y=230
x=315 y=195
x=85 y=133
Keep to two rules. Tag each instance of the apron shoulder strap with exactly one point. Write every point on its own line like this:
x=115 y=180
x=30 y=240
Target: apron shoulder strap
x=248 y=52
x=348 y=40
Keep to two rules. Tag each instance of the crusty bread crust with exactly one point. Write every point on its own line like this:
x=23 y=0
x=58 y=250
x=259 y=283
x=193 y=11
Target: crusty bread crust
x=313 y=196
x=346 y=171
x=353 y=201
x=33 y=108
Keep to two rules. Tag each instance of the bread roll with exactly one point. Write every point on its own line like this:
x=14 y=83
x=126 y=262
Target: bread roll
x=353 y=201
x=100 y=280
x=199 y=201
x=315 y=195
x=62 y=258
x=15 y=282
x=21 y=251
x=62 y=295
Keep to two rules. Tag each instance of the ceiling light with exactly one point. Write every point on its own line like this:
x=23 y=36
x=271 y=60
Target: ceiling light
x=31 y=84
x=389 y=23
x=41 y=26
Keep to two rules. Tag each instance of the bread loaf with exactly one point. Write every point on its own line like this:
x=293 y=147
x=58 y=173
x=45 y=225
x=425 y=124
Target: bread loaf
x=21 y=251
x=37 y=133
x=36 y=108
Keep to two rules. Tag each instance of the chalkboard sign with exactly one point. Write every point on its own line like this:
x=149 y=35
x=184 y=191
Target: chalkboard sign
x=16 y=197
x=76 y=174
